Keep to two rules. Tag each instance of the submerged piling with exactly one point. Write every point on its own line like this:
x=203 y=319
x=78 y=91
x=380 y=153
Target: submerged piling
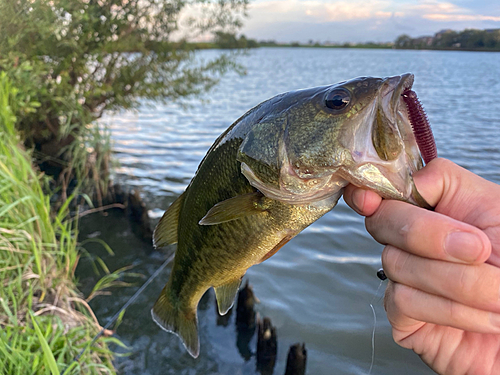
x=267 y=346
x=296 y=361
x=245 y=321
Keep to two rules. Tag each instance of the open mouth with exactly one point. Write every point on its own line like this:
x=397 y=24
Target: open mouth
x=418 y=118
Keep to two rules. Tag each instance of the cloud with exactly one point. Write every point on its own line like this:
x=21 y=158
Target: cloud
x=449 y=12
x=317 y=11
x=460 y=17
x=364 y=20
x=437 y=6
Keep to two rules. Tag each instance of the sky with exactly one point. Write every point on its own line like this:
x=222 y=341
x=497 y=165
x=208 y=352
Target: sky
x=357 y=21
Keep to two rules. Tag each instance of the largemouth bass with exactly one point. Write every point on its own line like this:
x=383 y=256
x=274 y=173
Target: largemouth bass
x=275 y=171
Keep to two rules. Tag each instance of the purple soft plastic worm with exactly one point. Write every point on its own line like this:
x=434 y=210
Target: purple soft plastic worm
x=421 y=127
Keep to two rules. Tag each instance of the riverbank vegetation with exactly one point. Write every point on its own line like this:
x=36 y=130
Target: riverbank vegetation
x=44 y=320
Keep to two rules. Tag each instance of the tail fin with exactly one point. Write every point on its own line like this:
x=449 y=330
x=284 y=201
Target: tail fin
x=183 y=323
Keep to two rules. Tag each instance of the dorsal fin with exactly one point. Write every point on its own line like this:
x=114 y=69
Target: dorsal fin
x=165 y=232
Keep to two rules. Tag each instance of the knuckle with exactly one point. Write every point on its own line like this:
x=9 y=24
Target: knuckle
x=468 y=280
x=423 y=235
x=400 y=296
x=411 y=232
x=442 y=164
x=478 y=285
x=387 y=258
x=388 y=296
x=455 y=312
x=400 y=339
x=395 y=262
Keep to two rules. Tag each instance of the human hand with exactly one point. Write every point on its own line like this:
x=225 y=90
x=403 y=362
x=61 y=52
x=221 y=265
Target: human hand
x=443 y=297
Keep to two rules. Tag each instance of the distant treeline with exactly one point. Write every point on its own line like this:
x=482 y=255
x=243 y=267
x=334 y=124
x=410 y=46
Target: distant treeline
x=468 y=39
x=224 y=40
x=229 y=41
x=272 y=43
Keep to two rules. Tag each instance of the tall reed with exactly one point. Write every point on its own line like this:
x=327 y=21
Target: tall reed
x=44 y=321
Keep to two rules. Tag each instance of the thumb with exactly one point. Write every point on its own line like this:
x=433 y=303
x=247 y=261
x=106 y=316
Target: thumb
x=464 y=196
x=457 y=192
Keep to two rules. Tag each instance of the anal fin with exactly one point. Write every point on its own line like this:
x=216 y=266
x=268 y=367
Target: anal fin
x=226 y=295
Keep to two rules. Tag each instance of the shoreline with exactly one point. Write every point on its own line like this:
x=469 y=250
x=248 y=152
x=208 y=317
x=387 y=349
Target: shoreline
x=198 y=46
x=204 y=46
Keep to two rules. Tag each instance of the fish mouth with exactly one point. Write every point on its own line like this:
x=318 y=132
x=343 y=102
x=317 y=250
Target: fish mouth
x=392 y=102
x=405 y=83
x=395 y=155
x=393 y=88
x=395 y=111
x=395 y=107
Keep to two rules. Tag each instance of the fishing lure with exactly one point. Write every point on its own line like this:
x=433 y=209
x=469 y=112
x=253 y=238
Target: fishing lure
x=420 y=125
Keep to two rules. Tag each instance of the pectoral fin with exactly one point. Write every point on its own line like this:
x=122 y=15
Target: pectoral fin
x=235 y=208
x=165 y=232
x=226 y=295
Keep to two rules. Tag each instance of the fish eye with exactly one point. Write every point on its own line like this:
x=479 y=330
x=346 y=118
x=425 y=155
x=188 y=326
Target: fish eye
x=338 y=99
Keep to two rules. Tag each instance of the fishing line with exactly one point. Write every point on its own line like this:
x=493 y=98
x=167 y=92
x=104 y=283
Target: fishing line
x=382 y=277
x=127 y=304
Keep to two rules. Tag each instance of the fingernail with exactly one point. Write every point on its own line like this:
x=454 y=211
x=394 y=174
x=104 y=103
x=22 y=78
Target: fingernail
x=463 y=245
x=358 y=199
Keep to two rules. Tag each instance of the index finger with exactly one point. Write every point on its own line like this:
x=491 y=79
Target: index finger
x=427 y=234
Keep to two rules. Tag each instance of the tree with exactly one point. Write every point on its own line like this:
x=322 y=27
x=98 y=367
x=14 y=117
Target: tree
x=445 y=39
x=77 y=58
x=230 y=41
x=403 y=41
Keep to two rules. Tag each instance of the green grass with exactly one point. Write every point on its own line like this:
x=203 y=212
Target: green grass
x=44 y=321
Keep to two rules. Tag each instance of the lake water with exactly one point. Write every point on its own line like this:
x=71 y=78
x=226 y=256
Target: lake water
x=319 y=287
